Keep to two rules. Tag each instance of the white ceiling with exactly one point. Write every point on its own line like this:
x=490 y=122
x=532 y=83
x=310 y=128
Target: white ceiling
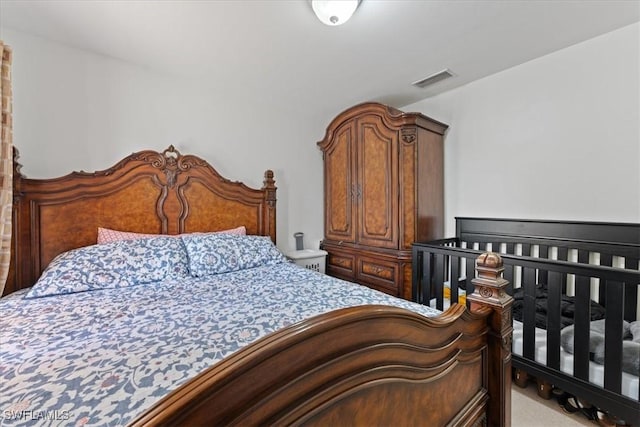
x=279 y=50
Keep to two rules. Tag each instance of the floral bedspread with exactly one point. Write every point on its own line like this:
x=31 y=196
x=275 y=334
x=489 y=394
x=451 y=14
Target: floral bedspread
x=105 y=356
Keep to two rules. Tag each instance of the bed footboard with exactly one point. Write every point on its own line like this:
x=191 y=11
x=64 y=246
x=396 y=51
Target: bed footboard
x=367 y=365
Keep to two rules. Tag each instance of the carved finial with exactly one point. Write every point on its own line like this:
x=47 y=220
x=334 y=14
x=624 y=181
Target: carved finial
x=17 y=167
x=171 y=152
x=489 y=266
x=490 y=260
x=268 y=179
x=269 y=184
x=489 y=284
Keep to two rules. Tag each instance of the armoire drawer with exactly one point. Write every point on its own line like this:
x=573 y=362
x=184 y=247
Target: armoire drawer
x=378 y=272
x=341 y=265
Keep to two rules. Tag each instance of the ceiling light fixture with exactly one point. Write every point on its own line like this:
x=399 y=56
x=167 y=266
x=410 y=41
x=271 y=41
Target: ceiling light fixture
x=334 y=12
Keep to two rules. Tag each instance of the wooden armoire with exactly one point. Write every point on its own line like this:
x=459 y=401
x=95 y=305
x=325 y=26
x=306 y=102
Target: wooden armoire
x=383 y=191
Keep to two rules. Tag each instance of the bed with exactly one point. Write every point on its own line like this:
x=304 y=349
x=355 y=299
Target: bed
x=576 y=293
x=149 y=350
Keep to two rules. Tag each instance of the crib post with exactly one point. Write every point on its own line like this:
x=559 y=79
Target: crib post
x=489 y=291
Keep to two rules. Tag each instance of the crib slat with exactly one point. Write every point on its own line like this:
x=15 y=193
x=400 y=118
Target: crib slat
x=582 y=320
x=563 y=253
x=554 y=324
x=630 y=292
x=583 y=256
x=455 y=277
x=607 y=260
x=613 y=337
x=416 y=273
x=427 y=277
x=446 y=267
x=470 y=274
x=529 y=314
x=526 y=249
x=511 y=248
x=543 y=252
x=508 y=275
x=439 y=280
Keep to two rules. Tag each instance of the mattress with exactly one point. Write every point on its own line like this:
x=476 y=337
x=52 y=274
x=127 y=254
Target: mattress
x=596 y=371
x=630 y=382
x=103 y=357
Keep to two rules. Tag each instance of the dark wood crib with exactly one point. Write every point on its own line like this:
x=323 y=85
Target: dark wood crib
x=577 y=262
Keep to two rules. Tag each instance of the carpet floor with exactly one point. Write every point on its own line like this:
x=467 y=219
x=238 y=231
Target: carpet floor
x=530 y=410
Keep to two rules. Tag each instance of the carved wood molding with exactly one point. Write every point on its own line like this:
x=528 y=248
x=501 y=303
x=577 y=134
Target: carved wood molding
x=269 y=186
x=409 y=135
x=170 y=162
x=17 y=175
x=389 y=115
x=490 y=285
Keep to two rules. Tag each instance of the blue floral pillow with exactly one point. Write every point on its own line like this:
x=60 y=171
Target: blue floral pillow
x=112 y=265
x=223 y=253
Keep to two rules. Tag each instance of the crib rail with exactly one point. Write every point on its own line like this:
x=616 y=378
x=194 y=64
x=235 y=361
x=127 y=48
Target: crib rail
x=444 y=263
x=616 y=239
x=585 y=242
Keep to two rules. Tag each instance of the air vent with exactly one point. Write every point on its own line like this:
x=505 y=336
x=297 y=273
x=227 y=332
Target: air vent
x=434 y=78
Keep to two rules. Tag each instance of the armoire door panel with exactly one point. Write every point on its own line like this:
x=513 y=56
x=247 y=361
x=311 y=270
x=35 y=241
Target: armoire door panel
x=407 y=187
x=377 y=159
x=340 y=187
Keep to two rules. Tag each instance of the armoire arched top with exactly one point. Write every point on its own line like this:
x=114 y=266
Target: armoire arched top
x=392 y=117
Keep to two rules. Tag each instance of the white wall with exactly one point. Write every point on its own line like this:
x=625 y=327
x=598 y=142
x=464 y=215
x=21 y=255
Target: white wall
x=76 y=110
x=555 y=138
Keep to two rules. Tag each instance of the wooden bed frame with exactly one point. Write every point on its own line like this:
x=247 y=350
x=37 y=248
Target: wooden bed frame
x=369 y=365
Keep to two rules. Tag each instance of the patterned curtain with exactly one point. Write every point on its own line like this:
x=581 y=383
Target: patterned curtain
x=6 y=164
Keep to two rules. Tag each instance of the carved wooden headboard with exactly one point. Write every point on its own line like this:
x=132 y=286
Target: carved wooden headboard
x=146 y=192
